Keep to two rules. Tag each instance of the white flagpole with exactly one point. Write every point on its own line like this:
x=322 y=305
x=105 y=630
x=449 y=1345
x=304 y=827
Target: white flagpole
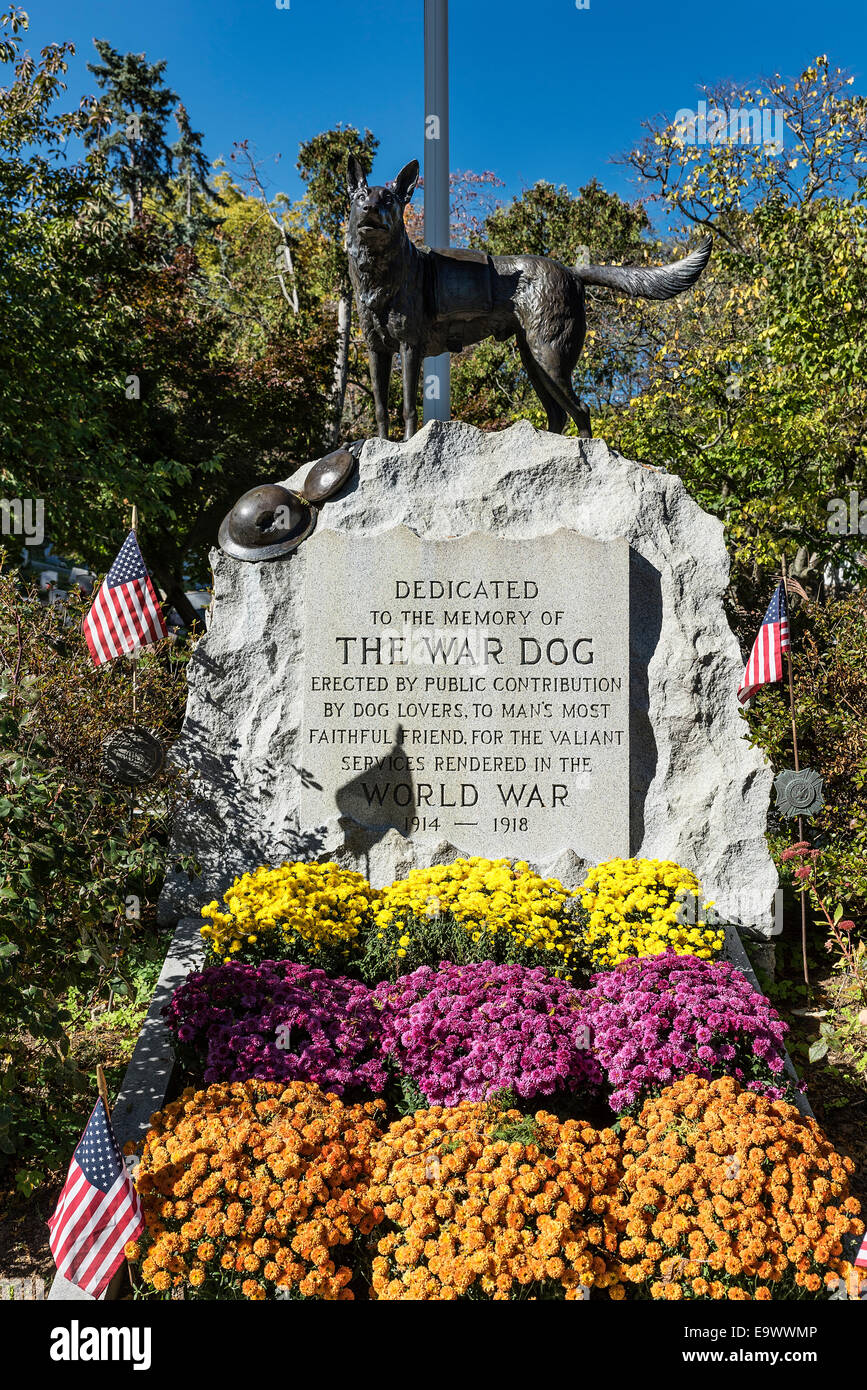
x=437 y=371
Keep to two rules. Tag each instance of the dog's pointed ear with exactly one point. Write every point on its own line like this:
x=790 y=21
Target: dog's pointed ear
x=356 y=177
x=404 y=184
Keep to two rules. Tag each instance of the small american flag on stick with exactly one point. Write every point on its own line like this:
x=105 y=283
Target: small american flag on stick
x=861 y=1257
x=98 y=1210
x=766 y=658
x=126 y=613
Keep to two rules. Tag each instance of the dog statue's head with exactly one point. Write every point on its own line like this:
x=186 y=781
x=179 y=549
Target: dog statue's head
x=376 y=214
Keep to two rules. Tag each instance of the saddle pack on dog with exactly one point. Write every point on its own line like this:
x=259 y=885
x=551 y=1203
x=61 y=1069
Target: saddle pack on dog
x=458 y=287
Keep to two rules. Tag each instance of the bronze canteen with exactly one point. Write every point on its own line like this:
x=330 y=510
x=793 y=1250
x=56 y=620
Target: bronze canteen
x=328 y=476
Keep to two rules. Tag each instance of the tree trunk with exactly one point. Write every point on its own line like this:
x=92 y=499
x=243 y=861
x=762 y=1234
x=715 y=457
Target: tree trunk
x=177 y=599
x=341 y=368
x=134 y=192
x=173 y=588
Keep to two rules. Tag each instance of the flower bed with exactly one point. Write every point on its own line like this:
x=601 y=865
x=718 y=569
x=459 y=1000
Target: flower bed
x=493 y=1207
x=464 y=1031
x=730 y=1195
x=705 y=1188
x=472 y=910
x=255 y=1190
x=252 y=1188
x=279 y=1022
x=659 y=1018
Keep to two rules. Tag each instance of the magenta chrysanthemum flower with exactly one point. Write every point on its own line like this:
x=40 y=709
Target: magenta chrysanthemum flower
x=278 y=1021
x=658 y=1018
x=462 y=1032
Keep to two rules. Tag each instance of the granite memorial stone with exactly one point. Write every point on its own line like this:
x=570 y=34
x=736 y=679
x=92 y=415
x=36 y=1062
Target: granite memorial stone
x=618 y=549
x=475 y=689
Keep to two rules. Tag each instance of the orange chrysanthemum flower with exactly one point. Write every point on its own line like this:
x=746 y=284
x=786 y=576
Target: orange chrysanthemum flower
x=753 y=1203
x=496 y=1206
x=223 y=1135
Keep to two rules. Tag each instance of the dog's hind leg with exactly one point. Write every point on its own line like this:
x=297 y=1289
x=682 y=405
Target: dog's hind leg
x=556 y=413
x=555 y=369
x=380 y=376
x=410 y=361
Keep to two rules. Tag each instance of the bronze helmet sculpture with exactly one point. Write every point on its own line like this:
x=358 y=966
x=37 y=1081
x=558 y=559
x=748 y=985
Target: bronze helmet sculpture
x=267 y=522
x=271 y=520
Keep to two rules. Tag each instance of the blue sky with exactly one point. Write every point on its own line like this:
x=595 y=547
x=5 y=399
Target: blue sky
x=538 y=90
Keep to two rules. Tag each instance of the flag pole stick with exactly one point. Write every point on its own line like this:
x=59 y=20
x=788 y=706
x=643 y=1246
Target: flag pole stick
x=102 y=1087
x=131 y=797
x=437 y=370
x=797 y=769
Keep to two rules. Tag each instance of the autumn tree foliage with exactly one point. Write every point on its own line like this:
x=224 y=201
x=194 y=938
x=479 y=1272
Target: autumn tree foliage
x=150 y=355
x=189 y=331
x=754 y=390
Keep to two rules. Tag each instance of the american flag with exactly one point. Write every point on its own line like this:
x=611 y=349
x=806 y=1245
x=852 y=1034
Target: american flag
x=98 y=1210
x=861 y=1257
x=766 y=658
x=126 y=612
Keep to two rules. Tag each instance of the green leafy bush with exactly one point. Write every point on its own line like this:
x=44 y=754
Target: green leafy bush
x=77 y=867
x=829 y=645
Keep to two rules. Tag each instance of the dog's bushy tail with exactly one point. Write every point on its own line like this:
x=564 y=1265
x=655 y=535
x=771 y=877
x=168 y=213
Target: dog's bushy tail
x=662 y=282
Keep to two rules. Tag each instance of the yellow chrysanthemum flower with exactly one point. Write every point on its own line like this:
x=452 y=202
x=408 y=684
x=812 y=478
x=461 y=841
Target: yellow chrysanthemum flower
x=643 y=907
x=316 y=912
x=504 y=907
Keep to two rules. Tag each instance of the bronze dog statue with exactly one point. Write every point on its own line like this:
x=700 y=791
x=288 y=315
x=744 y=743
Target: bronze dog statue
x=421 y=302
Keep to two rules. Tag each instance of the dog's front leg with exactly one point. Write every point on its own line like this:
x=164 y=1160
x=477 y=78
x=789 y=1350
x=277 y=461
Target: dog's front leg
x=410 y=356
x=380 y=375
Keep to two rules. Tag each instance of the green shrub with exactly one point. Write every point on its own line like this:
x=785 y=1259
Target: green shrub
x=829 y=645
x=77 y=868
